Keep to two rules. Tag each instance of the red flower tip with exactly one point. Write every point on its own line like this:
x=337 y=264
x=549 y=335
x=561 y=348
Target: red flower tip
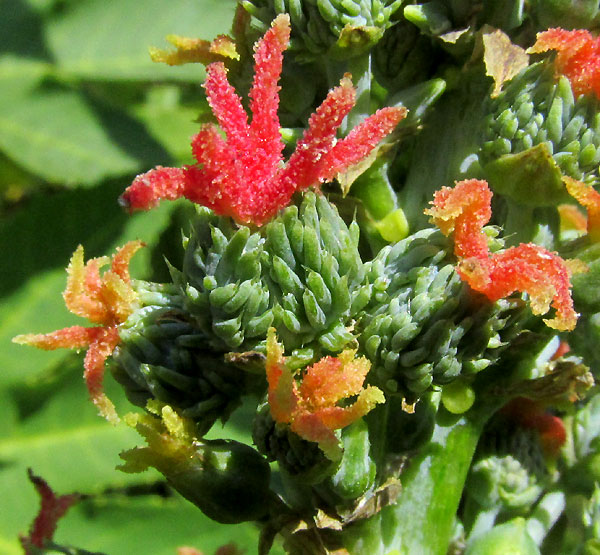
x=531 y=415
x=107 y=300
x=243 y=174
x=464 y=210
x=578 y=57
x=528 y=268
x=562 y=350
x=52 y=509
x=589 y=198
x=311 y=408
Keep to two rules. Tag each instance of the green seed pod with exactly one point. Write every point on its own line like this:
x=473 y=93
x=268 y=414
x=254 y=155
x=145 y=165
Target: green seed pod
x=301 y=273
x=221 y=282
x=226 y=479
x=315 y=275
x=163 y=356
x=538 y=131
x=342 y=28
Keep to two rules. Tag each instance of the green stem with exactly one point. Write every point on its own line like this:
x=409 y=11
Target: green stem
x=422 y=520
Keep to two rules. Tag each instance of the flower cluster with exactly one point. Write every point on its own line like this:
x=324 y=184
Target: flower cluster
x=243 y=176
x=106 y=300
x=528 y=268
x=578 y=57
x=311 y=408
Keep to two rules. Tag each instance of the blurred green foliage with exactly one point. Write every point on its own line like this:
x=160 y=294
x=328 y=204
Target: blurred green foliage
x=82 y=110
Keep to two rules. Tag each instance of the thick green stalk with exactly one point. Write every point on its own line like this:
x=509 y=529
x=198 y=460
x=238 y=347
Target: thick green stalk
x=422 y=519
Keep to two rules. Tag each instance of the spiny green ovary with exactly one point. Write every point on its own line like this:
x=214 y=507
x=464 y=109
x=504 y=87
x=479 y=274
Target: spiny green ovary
x=534 y=108
x=297 y=456
x=301 y=273
x=163 y=356
x=503 y=480
x=422 y=326
x=317 y=24
x=221 y=282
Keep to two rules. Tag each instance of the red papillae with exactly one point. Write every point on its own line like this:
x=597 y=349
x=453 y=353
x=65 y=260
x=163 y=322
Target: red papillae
x=464 y=209
x=311 y=409
x=578 y=57
x=243 y=175
x=52 y=509
x=107 y=300
x=529 y=268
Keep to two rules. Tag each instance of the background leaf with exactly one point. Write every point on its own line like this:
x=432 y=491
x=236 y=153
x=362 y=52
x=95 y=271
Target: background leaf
x=110 y=39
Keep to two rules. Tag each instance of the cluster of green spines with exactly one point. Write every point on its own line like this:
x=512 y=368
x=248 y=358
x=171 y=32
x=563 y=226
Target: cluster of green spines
x=162 y=355
x=301 y=273
x=221 y=282
x=316 y=275
x=296 y=456
x=317 y=24
x=535 y=108
x=421 y=327
x=503 y=481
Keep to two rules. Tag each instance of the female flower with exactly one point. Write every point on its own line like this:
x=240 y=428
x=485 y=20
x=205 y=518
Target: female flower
x=311 y=409
x=243 y=175
x=528 y=268
x=577 y=57
x=106 y=300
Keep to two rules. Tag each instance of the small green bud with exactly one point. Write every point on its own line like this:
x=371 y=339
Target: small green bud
x=356 y=473
x=458 y=397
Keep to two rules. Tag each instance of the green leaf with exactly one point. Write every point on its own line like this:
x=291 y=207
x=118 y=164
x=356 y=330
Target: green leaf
x=68 y=444
x=20 y=75
x=149 y=524
x=59 y=135
x=109 y=39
